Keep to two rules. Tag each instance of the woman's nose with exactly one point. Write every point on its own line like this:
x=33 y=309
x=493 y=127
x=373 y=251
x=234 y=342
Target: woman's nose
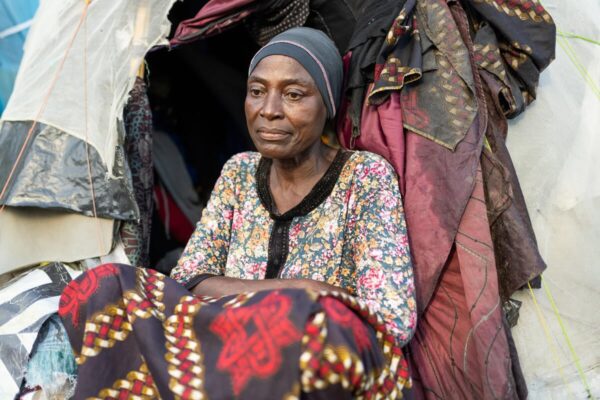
x=272 y=107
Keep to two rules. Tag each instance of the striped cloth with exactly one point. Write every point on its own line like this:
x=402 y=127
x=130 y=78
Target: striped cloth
x=25 y=304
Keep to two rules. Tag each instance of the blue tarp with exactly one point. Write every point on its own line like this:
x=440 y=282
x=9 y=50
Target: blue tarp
x=15 y=17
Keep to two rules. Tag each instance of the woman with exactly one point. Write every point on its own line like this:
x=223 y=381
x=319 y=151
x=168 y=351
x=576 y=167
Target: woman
x=296 y=215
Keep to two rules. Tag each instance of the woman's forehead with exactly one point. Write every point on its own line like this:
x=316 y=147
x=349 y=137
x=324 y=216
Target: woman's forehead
x=275 y=68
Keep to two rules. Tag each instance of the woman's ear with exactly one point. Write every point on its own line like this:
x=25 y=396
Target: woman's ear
x=329 y=136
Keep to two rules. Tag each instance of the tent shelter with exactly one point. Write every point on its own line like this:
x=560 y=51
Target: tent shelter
x=81 y=125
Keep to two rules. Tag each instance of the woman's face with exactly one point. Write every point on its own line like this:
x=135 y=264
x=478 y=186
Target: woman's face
x=285 y=112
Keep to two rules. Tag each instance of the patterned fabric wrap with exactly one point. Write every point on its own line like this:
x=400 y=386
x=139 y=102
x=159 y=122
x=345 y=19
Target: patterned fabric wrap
x=513 y=40
x=135 y=235
x=138 y=334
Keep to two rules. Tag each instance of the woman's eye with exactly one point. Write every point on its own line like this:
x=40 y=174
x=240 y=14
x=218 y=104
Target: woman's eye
x=293 y=95
x=255 y=92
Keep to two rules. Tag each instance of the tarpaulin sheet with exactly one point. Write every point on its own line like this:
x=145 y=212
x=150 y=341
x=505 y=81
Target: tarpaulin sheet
x=117 y=36
x=555 y=146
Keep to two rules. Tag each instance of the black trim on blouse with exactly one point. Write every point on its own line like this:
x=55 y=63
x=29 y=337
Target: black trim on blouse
x=279 y=240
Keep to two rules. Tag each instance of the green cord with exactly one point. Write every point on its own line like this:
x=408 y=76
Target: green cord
x=566 y=336
x=568 y=49
x=571 y=35
x=546 y=328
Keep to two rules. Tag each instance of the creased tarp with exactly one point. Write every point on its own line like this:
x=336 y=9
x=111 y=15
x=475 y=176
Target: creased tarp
x=25 y=303
x=555 y=147
x=119 y=34
x=14 y=20
x=53 y=173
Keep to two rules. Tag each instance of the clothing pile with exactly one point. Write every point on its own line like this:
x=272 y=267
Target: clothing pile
x=430 y=87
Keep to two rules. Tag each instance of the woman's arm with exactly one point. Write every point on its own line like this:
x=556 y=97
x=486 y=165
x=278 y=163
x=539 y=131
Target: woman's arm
x=379 y=249
x=218 y=286
x=206 y=251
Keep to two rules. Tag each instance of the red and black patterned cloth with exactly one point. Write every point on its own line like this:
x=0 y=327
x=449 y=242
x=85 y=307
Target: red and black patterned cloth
x=138 y=334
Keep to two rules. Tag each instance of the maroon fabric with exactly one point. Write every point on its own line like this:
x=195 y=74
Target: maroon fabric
x=461 y=348
x=215 y=16
x=435 y=184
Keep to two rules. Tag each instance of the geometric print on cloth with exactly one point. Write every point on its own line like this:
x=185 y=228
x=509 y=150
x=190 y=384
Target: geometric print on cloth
x=25 y=304
x=143 y=335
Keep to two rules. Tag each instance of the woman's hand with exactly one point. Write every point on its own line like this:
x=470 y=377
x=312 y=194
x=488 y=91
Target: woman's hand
x=318 y=286
x=219 y=286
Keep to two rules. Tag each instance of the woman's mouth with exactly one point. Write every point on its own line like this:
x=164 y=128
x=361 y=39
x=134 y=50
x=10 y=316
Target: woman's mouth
x=272 y=135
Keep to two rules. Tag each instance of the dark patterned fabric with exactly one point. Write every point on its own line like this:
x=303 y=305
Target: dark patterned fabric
x=515 y=40
x=272 y=18
x=152 y=338
x=265 y=19
x=135 y=234
x=471 y=238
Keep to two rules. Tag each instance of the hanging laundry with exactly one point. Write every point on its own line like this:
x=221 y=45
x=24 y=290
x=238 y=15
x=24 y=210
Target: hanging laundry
x=275 y=16
x=135 y=234
x=265 y=19
x=428 y=92
x=213 y=18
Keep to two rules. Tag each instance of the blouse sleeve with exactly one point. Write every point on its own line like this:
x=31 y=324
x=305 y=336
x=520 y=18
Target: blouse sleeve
x=206 y=251
x=379 y=249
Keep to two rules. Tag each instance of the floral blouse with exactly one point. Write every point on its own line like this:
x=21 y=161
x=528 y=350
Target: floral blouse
x=354 y=238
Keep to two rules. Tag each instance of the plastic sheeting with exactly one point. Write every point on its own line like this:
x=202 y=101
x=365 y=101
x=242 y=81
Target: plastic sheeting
x=118 y=33
x=555 y=147
x=25 y=303
x=54 y=173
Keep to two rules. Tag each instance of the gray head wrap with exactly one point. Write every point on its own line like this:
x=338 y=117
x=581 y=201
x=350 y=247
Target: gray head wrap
x=317 y=53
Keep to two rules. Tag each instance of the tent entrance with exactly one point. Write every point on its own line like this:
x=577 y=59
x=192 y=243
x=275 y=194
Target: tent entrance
x=196 y=94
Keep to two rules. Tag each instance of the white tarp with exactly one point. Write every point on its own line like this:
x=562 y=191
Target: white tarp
x=555 y=145
x=119 y=34
x=116 y=37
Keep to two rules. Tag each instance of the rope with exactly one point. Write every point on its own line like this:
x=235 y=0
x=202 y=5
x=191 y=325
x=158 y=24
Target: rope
x=42 y=108
x=551 y=344
x=567 y=339
x=568 y=49
x=571 y=35
x=87 y=146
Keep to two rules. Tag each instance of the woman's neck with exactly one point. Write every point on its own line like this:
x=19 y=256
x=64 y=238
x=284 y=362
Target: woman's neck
x=308 y=166
x=292 y=179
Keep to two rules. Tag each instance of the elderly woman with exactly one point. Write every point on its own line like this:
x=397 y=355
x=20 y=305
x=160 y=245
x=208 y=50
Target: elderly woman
x=300 y=265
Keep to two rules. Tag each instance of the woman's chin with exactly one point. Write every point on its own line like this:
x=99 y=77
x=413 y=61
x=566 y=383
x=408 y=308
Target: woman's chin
x=274 y=151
